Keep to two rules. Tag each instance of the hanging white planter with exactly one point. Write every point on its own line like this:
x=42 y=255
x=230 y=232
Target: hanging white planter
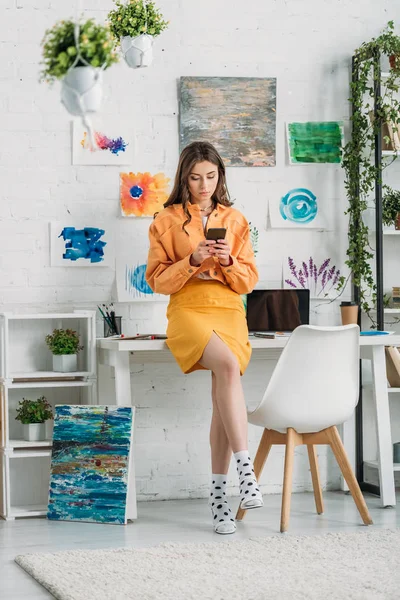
x=138 y=51
x=82 y=90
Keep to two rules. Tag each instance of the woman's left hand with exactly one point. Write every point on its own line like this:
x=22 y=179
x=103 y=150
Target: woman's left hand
x=223 y=252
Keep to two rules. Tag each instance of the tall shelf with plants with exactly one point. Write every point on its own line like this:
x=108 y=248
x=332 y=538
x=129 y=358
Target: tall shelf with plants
x=373 y=147
x=27 y=371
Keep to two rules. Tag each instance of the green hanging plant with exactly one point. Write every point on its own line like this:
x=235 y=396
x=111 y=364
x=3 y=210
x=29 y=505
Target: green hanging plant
x=135 y=18
x=96 y=47
x=358 y=155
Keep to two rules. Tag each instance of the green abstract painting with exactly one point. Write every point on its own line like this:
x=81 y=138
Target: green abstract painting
x=315 y=142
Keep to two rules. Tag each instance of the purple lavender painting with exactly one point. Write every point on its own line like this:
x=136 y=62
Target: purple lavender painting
x=321 y=278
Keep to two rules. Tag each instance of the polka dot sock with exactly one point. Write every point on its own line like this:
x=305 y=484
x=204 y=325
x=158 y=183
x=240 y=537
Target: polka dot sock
x=223 y=521
x=250 y=495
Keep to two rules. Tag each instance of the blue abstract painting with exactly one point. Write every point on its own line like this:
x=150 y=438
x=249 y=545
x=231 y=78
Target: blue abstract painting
x=299 y=206
x=83 y=243
x=75 y=245
x=131 y=281
x=90 y=463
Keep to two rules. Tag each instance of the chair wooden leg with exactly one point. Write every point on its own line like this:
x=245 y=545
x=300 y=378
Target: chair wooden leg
x=340 y=454
x=312 y=456
x=287 y=479
x=262 y=454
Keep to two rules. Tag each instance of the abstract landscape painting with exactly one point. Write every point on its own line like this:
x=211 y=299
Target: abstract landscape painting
x=315 y=142
x=112 y=147
x=81 y=245
x=142 y=194
x=236 y=114
x=90 y=464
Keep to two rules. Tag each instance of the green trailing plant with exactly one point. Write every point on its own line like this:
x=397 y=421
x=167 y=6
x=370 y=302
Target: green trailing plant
x=390 y=206
x=96 y=46
x=135 y=18
x=358 y=155
x=34 y=411
x=63 y=341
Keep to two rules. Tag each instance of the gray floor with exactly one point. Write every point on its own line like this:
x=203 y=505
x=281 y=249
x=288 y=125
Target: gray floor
x=173 y=521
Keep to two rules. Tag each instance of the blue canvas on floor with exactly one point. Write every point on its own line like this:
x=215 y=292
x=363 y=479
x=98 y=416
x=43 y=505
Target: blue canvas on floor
x=90 y=463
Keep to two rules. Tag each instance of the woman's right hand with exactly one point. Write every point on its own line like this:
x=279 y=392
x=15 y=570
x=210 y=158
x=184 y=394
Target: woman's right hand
x=202 y=252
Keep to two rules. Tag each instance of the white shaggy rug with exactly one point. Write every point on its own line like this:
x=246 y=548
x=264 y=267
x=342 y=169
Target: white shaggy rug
x=355 y=566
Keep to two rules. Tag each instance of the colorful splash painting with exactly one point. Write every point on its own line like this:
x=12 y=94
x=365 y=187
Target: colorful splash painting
x=91 y=464
x=80 y=245
x=112 y=146
x=321 y=277
x=142 y=194
x=236 y=114
x=131 y=281
x=315 y=142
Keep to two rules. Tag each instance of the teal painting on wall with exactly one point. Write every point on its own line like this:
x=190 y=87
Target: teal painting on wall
x=90 y=463
x=315 y=142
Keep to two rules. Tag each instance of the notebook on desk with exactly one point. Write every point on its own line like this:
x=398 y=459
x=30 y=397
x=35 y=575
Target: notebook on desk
x=272 y=311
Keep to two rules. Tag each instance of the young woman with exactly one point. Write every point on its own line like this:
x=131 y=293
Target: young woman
x=206 y=319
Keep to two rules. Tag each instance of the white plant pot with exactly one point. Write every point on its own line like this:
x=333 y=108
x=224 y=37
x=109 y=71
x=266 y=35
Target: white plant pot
x=35 y=432
x=82 y=90
x=65 y=363
x=138 y=51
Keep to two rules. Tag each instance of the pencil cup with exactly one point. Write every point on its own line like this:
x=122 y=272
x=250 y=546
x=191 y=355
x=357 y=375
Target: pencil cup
x=111 y=330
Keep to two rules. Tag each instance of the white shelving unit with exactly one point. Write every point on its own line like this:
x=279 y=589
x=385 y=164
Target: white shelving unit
x=25 y=371
x=374 y=463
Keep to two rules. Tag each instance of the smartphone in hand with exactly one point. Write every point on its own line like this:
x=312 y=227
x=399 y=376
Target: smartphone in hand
x=216 y=233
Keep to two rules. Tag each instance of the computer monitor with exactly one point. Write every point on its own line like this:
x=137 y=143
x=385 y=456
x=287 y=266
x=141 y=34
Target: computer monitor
x=277 y=310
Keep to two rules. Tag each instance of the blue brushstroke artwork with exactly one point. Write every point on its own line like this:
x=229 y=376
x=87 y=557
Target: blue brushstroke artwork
x=90 y=463
x=83 y=244
x=299 y=206
x=135 y=281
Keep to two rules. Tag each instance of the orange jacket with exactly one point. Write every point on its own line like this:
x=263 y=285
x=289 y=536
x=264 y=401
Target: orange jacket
x=168 y=265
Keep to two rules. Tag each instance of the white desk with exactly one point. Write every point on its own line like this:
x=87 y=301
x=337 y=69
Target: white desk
x=118 y=354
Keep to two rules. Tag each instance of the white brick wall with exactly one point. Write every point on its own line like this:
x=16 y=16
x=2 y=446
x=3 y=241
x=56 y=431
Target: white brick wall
x=306 y=44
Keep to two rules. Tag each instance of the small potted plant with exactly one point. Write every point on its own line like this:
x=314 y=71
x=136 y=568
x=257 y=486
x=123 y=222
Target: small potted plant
x=391 y=208
x=33 y=414
x=134 y=25
x=77 y=54
x=64 y=344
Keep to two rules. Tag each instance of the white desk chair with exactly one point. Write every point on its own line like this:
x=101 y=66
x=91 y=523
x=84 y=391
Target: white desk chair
x=313 y=388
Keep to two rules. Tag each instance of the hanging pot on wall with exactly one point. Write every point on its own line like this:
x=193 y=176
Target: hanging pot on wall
x=137 y=51
x=82 y=90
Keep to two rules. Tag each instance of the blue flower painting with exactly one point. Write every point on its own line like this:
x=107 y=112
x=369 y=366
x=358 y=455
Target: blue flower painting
x=299 y=206
x=90 y=463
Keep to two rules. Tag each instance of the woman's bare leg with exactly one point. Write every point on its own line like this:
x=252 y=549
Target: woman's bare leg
x=229 y=395
x=221 y=451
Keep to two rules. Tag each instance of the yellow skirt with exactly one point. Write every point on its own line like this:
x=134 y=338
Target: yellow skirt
x=200 y=308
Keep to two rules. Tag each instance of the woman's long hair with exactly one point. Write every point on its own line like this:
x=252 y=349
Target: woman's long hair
x=194 y=153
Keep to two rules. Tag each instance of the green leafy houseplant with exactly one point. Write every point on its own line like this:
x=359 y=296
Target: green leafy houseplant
x=390 y=206
x=34 y=411
x=358 y=155
x=135 y=18
x=96 y=46
x=63 y=341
